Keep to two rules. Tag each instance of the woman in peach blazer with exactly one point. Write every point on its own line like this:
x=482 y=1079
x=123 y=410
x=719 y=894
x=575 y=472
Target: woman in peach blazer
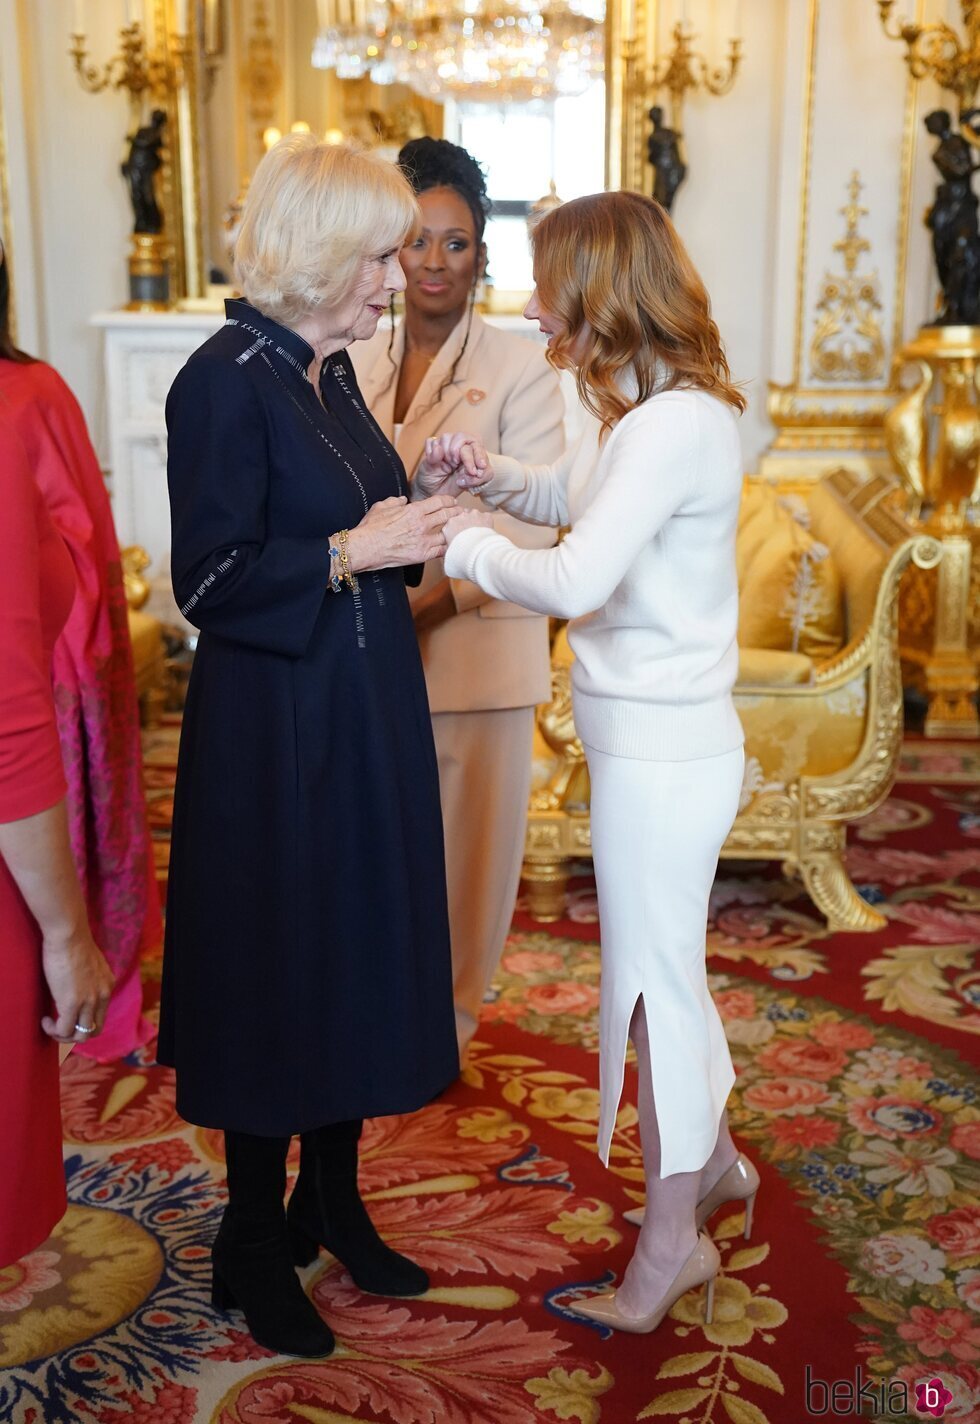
x=486 y=662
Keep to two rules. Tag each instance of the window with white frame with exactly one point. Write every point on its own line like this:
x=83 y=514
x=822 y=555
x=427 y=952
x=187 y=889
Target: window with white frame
x=522 y=150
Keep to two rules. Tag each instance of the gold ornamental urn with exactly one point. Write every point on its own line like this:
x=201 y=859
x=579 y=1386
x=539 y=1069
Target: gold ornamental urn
x=933 y=437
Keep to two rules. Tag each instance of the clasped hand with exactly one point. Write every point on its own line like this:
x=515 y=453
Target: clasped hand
x=452 y=463
x=398 y=531
x=455 y=462
x=395 y=532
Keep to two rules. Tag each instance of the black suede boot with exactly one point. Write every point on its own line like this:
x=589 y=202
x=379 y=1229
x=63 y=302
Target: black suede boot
x=252 y=1262
x=326 y=1209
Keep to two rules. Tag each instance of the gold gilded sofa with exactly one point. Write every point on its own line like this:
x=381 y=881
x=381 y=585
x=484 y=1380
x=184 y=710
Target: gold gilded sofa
x=819 y=693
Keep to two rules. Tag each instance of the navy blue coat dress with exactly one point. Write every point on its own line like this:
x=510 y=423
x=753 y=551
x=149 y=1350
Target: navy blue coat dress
x=307 y=975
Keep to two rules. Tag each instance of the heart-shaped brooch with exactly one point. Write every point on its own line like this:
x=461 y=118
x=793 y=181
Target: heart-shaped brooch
x=474 y=396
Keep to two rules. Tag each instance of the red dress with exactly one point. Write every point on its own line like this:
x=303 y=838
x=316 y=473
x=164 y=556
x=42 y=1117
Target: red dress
x=37 y=585
x=95 y=699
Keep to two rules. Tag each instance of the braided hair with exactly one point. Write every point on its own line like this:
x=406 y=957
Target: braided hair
x=437 y=163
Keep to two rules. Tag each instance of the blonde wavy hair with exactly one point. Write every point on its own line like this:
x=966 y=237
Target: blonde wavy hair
x=613 y=270
x=313 y=212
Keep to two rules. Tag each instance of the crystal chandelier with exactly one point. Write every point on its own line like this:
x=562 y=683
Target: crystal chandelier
x=477 y=51
x=351 y=38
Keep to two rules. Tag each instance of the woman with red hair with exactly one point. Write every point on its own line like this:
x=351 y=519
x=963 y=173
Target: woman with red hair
x=647 y=577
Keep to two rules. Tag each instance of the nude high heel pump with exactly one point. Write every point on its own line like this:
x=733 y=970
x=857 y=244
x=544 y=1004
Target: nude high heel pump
x=701 y=1266
x=739 y=1183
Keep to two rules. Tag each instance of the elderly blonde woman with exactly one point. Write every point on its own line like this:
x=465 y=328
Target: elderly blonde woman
x=307 y=980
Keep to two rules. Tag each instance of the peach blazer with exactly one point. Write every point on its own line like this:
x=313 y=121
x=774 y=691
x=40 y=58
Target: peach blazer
x=492 y=654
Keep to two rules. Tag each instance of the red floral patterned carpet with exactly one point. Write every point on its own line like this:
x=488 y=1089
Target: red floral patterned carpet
x=855 y=1096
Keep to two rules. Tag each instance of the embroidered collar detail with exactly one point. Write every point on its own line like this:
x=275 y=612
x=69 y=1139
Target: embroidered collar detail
x=297 y=351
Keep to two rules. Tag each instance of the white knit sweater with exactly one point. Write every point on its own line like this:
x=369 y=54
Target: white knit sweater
x=646 y=574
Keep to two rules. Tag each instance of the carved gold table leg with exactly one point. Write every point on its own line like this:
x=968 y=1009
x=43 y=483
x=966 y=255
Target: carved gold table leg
x=152 y=705
x=935 y=448
x=951 y=670
x=830 y=889
x=546 y=882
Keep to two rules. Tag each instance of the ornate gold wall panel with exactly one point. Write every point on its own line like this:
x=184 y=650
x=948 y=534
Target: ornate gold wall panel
x=909 y=145
x=847 y=343
x=806 y=154
x=843 y=415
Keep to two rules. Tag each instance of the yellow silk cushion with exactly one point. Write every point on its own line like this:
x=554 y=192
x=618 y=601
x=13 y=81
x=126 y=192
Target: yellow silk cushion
x=757 y=518
x=790 y=595
x=859 y=555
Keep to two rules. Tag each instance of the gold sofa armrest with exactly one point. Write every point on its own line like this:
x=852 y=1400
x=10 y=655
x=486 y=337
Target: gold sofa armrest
x=867 y=782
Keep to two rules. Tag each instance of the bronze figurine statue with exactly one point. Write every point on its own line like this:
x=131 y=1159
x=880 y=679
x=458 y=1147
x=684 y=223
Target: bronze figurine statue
x=664 y=153
x=953 y=217
x=140 y=171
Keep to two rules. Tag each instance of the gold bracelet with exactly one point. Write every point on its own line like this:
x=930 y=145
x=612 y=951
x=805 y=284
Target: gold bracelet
x=346 y=573
x=335 y=576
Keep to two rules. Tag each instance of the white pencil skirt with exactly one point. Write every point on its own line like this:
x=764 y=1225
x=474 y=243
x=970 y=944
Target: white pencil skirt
x=657 y=829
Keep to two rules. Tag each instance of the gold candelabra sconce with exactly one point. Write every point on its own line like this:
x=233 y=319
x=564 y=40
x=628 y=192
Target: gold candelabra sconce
x=683 y=70
x=667 y=81
x=936 y=51
x=143 y=72
x=155 y=67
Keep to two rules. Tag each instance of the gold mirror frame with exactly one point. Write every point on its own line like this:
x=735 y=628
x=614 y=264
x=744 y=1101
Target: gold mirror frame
x=181 y=180
x=185 y=175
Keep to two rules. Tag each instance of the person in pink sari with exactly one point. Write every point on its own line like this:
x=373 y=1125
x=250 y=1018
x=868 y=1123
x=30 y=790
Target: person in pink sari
x=94 y=689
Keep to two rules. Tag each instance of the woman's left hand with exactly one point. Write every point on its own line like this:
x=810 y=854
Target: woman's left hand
x=80 y=983
x=466 y=519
